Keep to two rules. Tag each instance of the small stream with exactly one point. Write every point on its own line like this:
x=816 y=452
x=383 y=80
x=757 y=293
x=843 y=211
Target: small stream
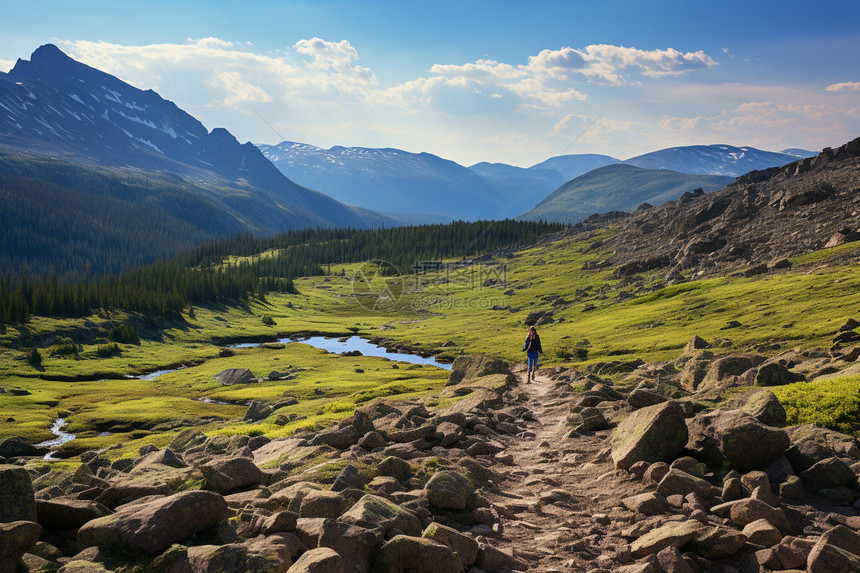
x=334 y=345
x=62 y=438
x=351 y=344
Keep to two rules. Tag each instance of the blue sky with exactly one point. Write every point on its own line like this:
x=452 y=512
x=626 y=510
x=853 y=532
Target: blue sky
x=509 y=82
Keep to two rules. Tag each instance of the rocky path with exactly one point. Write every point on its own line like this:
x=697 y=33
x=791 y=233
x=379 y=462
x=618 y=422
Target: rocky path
x=555 y=509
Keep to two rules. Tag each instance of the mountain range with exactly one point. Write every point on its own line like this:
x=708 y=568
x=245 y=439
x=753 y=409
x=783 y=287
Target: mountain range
x=399 y=182
x=619 y=187
x=55 y=106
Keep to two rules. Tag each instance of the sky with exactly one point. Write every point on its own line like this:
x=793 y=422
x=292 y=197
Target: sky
x=472 y=81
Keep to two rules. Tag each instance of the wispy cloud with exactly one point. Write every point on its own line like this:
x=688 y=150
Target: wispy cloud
x=6 y=65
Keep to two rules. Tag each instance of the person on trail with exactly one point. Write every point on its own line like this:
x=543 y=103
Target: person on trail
x=532 y=349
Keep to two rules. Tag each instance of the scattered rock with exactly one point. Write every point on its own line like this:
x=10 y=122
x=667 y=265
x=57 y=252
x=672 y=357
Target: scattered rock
x=735 y=438
x=233 y=376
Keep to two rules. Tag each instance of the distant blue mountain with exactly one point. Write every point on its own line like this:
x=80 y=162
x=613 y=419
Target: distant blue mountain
x=392 y=181
x=572 y=166
x=711 y=160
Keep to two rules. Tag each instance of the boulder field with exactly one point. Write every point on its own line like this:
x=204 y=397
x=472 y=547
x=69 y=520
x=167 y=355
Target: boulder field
x=622 y=466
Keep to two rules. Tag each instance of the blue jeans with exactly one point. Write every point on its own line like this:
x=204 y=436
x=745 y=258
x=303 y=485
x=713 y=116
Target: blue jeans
x=533 y=357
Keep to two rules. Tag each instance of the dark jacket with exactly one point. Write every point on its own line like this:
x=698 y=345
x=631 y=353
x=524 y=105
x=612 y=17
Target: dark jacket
x=532 y=345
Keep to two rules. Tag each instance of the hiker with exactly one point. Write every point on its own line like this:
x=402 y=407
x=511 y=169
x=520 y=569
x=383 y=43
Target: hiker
x=532 y=349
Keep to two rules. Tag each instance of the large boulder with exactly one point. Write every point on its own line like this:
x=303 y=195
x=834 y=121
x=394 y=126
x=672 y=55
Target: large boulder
x=340 y=438
x=234 y=376
x=765 y=407
x=355 y=544
x=15 y=446
x=724 y=371
x=652 y=434
x=261 y=555
x=152 y=526
x=16 y=538
x=464 y=546
x=672 y=534
x=416 y=555
x=17 y=502
x=475 y=366
x=320 y=560
x=374 y=512
x=228 y=474
x=837 y=550
x=64 y=514
x=829 y=473
x=772 y=374
x=811 y=444
x=694 y=372
x=449 y=489
x=736 y=439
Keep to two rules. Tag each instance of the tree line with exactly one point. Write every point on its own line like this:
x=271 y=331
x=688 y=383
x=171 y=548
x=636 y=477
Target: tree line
x=260 y=266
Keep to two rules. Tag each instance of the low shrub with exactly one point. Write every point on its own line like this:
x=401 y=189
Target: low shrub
x=834 y=403
x=108 y=349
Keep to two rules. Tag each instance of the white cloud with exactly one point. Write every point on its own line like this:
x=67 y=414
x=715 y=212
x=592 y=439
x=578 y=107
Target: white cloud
x=605 y=62
x=6 y=65
x=843 y=87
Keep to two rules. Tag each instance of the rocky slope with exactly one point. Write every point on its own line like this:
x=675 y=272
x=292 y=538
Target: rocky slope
x=755 y=223
x=633 y=471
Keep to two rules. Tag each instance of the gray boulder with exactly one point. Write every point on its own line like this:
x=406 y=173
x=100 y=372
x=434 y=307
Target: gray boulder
x=723 y=371
x=416 y=555
x=373 y=512
x=829 y=473
x=641 y=398
x=735 y=438
x=152 y=526
x=765 y=407
x=17 y=502
x=320 y=560
x=234 y=376
x=14 y=446
x=652 y=434
x=65 y=514
x=811 y=443
x=229 y=474
x=449 y=489
x=475 y=366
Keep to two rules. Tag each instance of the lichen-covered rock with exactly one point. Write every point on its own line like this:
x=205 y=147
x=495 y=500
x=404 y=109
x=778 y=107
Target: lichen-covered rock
x=641 y=398
x=765 y=407
x=416 y=555
x=321 y=560
x=17 y=537
x=323 y=504
x=372 y=512
x=228 y=474
x=650 y=503
x=340 y=438
x=677 y=482
x=152 y=526
x=748 y=510
x=717 y=542
x=762 y=532
x=773 y=374
x=837 y=550
x=261 y=555
x=464 y=546
x=652 y=434
x=353 y=543
x=17 y=502
x=827 y=474
x=736 y=439
x=811 y=443
x=723 y=370
x=674 y=533
x=449 y=489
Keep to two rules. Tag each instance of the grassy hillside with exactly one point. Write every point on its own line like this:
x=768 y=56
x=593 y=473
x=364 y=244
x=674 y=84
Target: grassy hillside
x=481 y=307
x=618 y=188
